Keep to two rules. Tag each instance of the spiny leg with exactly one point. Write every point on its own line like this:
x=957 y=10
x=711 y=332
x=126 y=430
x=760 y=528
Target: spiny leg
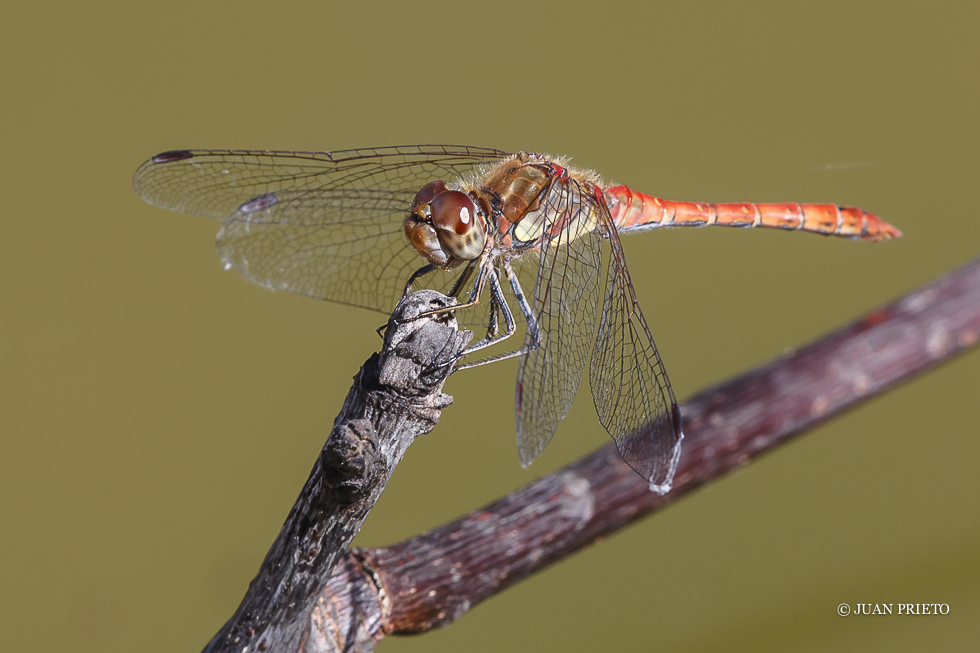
x=532 y=324
x=494 y=322
x=418 y=274
x=421 y=272
x=496 y=297
x=463 y=278
x=481 y=281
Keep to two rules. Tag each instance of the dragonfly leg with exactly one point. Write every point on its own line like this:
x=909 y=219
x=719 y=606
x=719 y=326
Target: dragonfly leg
x=532 y=325
x=494 y=324
x=418 y=274
x=481 y=281
x=463 y=278
x=421 y=272
x=497 y=301
x=532 y=322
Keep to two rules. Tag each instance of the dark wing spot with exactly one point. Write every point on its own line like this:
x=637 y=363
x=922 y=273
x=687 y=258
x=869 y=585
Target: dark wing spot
x=259 y=203
x=172 y=155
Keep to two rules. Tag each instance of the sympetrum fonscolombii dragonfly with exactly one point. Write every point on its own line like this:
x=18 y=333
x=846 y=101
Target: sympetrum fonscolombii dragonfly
x=350 y=226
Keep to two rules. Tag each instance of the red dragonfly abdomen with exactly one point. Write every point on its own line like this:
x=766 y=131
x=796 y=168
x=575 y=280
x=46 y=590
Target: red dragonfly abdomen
x=633 y=211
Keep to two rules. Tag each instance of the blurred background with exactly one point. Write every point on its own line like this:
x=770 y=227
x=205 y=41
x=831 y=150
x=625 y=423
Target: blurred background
x=158 y=415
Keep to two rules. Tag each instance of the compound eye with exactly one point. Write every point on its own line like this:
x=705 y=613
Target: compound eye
x=428 y=192
x=459 y=227
x=454 y=211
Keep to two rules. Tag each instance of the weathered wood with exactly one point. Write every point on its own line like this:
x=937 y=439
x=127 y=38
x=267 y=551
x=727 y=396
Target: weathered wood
x=429 y=580
x=395 y=397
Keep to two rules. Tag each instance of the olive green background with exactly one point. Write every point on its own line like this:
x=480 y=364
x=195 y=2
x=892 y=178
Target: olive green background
x=158 y=415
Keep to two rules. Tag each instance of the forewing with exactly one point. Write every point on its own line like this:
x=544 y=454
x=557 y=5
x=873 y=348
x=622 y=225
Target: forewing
x=564 y=306
x=215 y=183
x=632 y=394
x=323 y=224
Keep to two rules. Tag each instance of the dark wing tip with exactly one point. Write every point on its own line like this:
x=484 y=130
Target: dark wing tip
x=259 y=203
x=172 y=155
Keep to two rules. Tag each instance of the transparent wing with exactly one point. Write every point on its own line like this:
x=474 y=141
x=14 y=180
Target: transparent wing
x=632 y=394
x=566 y=296
x=323 y=224
x=216 y=183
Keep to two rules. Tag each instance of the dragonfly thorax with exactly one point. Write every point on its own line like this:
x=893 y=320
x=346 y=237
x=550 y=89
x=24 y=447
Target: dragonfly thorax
x=445 y=227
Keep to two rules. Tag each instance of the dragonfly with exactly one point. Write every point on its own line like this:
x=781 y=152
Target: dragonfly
x=363 y=226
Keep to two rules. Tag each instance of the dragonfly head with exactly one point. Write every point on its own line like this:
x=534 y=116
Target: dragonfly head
x=444 y=226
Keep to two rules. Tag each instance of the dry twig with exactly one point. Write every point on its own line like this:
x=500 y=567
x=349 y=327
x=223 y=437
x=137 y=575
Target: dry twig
x=395 y=397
